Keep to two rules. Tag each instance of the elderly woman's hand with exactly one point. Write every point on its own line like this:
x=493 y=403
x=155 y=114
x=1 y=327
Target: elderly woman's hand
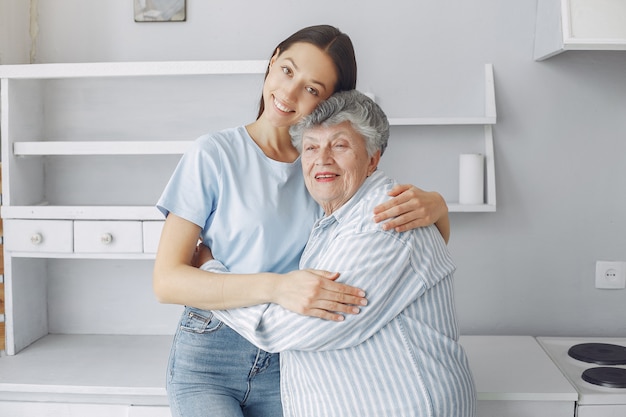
x=315 y=293
x=411 y=208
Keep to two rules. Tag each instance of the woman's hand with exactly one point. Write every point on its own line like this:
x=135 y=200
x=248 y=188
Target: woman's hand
x=315 y=293
x=411 y=208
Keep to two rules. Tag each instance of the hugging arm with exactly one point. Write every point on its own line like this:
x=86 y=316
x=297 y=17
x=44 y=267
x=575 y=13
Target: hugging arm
x=389 y=278
x=312 y=293
x=177 y=281
x=412 y=207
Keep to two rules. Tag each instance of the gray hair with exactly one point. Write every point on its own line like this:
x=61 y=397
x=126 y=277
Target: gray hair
x=366 y=117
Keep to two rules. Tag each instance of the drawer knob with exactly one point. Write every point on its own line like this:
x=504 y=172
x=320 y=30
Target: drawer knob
x=36 y=239
x=106 y=238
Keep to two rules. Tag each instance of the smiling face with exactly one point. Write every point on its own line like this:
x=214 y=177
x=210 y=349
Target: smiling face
x=335 y=164
x=298 y=79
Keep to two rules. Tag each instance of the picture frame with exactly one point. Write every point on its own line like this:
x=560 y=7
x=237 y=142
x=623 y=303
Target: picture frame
x=160 y=10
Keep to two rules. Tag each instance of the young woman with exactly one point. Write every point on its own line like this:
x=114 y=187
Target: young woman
x=242 y=192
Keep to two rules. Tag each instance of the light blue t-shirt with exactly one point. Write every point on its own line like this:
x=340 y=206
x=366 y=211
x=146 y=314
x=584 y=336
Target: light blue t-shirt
x=255 y=212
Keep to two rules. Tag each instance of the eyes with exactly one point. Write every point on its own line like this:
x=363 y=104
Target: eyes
x=339 y=146
x=311 y=90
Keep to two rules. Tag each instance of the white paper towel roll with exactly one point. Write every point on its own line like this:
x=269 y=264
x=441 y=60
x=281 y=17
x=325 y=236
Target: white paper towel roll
x=471 y=178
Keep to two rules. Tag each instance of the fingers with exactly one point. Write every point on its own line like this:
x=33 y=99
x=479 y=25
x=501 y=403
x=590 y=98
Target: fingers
x=406 y=201
x=326 y=315
x=410 y=208
x=333 y=311
x=392 y=205
x=323 y=297
x=400 y=189
x=341 y=302
x=404 y=223
x=336 y=299
x=402 y=218
x=343 y=293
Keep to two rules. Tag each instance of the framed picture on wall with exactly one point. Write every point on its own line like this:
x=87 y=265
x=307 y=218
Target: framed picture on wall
x=160 y=10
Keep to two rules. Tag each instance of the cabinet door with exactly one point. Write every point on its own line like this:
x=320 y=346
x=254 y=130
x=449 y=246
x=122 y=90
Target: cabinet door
x=38 y=235
x=107 y=237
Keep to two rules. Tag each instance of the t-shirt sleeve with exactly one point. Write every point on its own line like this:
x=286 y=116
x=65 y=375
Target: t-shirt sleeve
x=191 y=192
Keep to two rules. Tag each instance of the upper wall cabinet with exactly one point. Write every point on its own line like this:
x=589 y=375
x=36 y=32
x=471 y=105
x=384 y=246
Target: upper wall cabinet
x=564 y=25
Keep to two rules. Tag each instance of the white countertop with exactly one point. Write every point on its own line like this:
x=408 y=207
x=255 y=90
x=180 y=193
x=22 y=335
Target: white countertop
x=88 y=368
x=515 y=368
x=131 y=370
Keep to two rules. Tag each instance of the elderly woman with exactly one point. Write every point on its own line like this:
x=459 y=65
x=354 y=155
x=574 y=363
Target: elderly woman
x=400 y=356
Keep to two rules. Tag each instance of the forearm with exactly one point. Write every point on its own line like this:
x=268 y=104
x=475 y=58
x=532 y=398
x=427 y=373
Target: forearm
x=190 y=286
x=177 y=281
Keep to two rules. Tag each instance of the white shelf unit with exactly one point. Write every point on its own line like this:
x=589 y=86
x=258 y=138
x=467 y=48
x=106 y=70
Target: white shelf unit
x=578 y=25
x=487 y=121
x=86 y=151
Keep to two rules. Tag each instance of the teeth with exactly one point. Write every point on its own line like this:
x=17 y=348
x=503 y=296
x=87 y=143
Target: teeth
x=325 y=176
x=281 y=107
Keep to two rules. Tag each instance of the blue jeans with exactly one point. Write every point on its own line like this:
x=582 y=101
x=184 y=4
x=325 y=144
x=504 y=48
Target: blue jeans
x=213 y=371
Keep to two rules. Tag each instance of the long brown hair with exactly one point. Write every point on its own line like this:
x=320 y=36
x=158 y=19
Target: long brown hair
x=335 y=43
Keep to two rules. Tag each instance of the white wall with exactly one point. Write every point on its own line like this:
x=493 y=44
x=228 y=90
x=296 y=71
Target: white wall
x=559 y=142
x=15 y=37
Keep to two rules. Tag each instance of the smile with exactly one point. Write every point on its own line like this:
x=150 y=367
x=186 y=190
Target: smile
x=281 y=107
x=325 y=176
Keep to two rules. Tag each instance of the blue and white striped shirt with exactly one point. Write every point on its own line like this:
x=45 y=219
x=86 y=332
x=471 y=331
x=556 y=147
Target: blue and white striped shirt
x=400 y=356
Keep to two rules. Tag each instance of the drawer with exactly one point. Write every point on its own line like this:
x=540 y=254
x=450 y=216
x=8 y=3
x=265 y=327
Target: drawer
x=107 y=237
x=38 y=235
x=151 y=235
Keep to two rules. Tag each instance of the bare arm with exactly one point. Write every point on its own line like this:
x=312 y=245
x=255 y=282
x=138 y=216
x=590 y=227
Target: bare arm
x=411 y=208
x=177 y=281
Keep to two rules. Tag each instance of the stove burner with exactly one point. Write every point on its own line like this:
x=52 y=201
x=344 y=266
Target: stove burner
x=599 y=353
x=606 y=377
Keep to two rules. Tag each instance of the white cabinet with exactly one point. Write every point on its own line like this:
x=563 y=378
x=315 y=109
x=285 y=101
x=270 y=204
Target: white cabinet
x=87 y=149
x=564 y=25
x=514 y=377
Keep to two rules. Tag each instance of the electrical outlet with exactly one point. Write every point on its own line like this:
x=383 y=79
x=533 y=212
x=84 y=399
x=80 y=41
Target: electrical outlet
x=610 y=275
